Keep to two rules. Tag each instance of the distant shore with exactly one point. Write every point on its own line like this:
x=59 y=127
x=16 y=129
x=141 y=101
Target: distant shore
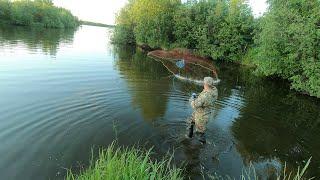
x=95 y=24
x=36 y=14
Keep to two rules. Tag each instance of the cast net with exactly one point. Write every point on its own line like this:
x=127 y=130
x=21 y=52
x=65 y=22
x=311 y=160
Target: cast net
x=185 y=66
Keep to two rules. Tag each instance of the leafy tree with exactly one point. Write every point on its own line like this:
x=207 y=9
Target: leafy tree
x=123 y=34
x=289 y=43
x=124 y=31
x=36 y=13
x=287 y=37
x=5 y=7
x=220 y=29
x=151 y=22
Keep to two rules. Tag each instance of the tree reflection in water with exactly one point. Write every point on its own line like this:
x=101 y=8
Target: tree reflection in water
x=33 y=38
x=257 y=121
x=276 y=125
x=149 y=91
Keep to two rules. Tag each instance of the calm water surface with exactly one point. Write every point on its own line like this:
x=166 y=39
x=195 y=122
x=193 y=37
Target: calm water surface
x=64 y=92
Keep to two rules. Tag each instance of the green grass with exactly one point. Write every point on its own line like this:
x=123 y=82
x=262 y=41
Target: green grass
x=127 y=163
x=131 y=163
x=251 y=174
x=299 y=175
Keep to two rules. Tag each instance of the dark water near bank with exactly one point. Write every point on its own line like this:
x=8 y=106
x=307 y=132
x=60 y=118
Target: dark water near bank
x=63 y=92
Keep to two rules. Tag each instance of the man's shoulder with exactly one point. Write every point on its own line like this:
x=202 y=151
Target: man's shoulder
x=213 y=93
x=206 y=93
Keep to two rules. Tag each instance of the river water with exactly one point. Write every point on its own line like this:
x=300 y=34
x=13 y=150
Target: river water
x=64 y=93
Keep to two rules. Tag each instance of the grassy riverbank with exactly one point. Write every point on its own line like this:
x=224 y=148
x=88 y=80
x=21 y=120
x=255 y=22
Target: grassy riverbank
x=40 y=13
x=120 y=163
x=284 y=42
x=131 y=163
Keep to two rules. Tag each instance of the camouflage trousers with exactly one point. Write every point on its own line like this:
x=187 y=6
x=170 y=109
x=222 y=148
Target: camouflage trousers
x=201 y=120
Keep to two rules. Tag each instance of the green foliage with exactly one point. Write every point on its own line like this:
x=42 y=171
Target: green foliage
x=131 y=163
x=220 y=29
x=36 y=13
x=5 y=7
x=289 y=44
x=123 y=34
x=124 y=31
x=287 y=37
x=250 y=173
x=127 y=164
x=148 y=21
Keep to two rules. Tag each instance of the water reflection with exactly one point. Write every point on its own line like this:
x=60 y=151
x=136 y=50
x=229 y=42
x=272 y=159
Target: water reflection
x=48 y=40
x=65 y=107
x=276 y=123
x=257 y=121
x=149 y=90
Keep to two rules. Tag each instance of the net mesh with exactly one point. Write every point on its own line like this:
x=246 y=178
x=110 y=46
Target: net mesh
x=186 y=66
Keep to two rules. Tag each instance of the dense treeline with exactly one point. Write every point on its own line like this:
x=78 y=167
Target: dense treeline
x=219 y=29
x=36 y=13
x=289 y=43
x=285 y=42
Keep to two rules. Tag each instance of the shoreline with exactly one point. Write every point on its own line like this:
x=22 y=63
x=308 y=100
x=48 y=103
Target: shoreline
x=149 y=50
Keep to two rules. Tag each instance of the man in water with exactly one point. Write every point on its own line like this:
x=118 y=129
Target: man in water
x=202 y=107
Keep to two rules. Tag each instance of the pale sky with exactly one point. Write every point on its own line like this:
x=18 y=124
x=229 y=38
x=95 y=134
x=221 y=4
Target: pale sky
x=103 y=11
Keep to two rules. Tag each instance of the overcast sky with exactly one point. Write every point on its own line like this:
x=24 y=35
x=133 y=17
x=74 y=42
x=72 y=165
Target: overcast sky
x=104 y=11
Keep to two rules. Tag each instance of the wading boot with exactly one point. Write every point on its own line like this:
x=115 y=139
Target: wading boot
x=191 y=127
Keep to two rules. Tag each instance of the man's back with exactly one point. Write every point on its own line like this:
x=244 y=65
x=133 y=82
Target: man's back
x=205 y=100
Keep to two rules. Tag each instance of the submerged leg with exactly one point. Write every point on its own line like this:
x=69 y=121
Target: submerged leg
x=201 y=137
x=191 y=127
x=200 y=129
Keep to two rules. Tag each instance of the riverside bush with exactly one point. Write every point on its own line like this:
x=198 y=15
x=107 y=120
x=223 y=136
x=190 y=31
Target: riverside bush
x=284 y=42
x=289 y=44
x=220 y=29
x=36 y=13
x=148 y=21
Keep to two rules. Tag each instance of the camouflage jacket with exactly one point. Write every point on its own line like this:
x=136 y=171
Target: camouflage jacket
x=203 y=104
